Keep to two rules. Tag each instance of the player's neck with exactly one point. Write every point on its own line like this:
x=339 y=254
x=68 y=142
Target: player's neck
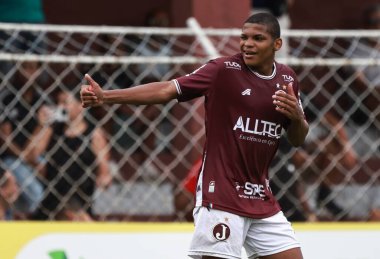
x=265 y=70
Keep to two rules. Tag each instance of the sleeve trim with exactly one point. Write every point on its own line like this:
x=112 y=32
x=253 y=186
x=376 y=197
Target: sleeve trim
x=177 y=86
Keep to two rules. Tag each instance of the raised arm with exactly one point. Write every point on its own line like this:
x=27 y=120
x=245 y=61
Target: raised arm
x=41 y=135
x=152 y=93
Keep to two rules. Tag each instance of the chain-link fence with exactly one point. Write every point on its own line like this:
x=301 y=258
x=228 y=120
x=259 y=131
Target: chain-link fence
x=149 y=150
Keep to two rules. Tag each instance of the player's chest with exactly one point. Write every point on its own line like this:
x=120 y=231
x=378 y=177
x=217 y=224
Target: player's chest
x=248 y=93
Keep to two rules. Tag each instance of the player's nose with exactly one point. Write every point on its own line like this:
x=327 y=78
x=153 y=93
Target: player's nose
x=249 y=43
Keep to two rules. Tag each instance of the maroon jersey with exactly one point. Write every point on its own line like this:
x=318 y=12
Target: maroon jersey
x=242 y=133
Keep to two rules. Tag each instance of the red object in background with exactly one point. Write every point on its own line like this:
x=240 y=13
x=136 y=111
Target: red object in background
x=190 y=182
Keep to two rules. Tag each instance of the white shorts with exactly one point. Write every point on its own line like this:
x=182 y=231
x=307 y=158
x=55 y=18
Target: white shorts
x=223 y=234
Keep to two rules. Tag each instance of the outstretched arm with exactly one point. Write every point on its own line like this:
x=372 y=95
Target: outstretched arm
x=152 y=93
x=287 y=104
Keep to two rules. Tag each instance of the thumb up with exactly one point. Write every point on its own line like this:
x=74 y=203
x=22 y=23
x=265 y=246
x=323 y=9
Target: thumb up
x=91 y=82
x=91 y=94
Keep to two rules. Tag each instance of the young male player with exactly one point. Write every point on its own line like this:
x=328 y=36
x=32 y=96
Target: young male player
x=249 y=99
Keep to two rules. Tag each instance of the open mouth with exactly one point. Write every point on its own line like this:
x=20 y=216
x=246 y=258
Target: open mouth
x=249 y=54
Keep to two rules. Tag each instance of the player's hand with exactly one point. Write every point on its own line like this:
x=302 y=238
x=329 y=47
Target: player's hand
x=287 y=103
x=92 y=94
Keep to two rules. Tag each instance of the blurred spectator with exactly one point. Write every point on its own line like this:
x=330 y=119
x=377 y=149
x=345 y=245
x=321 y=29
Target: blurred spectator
x=121 y=124
x=126 y=126
x=113 y=45
x=132 y=125
x=288 y=186
x=367 y=47
x=365 y=122
x=156 y=45
x=17 y=123
x=75 y=159
x=9 y=192
x=160 y=46
x=331 y=167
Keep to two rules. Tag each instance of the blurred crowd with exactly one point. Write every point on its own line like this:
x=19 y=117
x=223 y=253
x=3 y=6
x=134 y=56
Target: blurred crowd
x=54 y=158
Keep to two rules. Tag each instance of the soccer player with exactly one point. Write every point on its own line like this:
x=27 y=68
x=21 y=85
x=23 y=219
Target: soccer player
x=249 y=99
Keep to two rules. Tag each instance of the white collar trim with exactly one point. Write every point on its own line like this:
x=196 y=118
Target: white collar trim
x=265 y=77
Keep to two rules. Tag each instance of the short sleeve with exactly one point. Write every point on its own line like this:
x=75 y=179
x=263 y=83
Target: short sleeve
x=197 y=83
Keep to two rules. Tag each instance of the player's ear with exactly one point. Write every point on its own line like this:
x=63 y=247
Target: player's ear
x=277 y=44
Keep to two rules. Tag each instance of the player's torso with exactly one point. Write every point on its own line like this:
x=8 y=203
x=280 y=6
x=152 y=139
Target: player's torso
x=243 y=129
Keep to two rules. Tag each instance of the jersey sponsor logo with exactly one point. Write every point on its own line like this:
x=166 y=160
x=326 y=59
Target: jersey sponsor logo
x=258 y=127
x=288 y=78
x=251 y=191
x=232 y=64
x=221 y=232
x=256 y=190
x=246 y=92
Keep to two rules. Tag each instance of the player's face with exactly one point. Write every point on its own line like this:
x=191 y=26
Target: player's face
x=258 y=47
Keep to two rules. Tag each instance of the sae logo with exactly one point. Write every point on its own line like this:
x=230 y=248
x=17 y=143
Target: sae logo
x=232 y=64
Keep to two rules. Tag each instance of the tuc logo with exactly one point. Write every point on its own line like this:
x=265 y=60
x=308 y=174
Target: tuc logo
x=221 y=232
x=232 y=64
x=288 y=78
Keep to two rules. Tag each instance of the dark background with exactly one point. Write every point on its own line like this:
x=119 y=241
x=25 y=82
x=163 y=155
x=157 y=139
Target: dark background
x=304 y=14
